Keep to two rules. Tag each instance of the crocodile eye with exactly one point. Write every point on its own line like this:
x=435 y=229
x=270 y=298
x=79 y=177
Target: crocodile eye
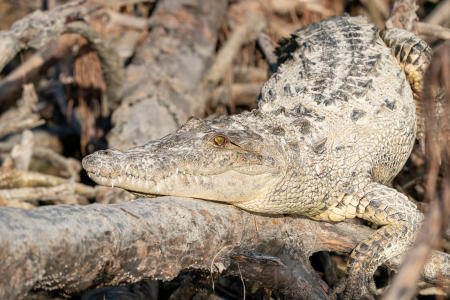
x=220 y=140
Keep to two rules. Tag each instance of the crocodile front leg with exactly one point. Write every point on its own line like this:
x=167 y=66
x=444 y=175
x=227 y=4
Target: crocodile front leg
x=400 y=221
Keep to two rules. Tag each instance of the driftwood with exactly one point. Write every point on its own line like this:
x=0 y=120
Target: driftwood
x=162 y=86
x=440 y=14
x=242 y=34
x=33 y=31
x=269 y=51
x=296 y=279
x=68 y=167
x=16 y=179
x=55 y=50
x=37 y=29
x=74 y=248
x=23 y=116
x=431 y=30
x=245 y=32
x=403 y=15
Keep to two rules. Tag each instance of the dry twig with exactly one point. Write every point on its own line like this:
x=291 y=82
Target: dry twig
x=440 y=14
x=64 y=193
x=243 y=33
x=268 y=50
x=437 y=128
x=11 y=86
x=375 y=14
x=127 y=20
x=249 y=74
x=58 y=49
x=23 y=117
x=66 y=166
x=21 y=153
x=432 y=30
x=403 y=15
x=18 y=179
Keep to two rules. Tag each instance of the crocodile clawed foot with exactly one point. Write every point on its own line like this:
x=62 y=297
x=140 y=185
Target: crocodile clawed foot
x=358 y=286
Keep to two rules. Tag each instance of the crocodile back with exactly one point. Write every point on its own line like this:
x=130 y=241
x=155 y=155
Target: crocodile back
x=340 y=80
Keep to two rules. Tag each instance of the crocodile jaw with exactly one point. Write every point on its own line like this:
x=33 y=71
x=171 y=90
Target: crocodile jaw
x=224 y=187
x=116 y=169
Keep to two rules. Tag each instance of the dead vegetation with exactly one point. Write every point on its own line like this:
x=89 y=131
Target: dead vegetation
x=72 y=81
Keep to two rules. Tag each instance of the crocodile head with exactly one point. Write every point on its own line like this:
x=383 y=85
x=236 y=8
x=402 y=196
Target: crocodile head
x=221 y=160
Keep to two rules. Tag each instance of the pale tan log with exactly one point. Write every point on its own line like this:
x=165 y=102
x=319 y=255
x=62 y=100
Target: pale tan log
x=74 y=248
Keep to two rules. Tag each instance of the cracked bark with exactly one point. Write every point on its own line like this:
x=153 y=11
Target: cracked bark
x=162 y=85
x=75 y=248
x=36 y=31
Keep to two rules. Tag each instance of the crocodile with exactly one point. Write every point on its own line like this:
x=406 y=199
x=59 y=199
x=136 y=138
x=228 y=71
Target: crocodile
x=334 y=125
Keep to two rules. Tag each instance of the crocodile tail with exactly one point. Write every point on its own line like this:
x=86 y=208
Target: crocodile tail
x=414 y=57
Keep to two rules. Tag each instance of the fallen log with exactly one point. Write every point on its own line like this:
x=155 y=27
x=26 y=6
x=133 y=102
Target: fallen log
x=74 y=248
x=162 y=84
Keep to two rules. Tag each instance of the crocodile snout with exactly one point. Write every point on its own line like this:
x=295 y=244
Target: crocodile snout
x=89 y=162
x=93 y=162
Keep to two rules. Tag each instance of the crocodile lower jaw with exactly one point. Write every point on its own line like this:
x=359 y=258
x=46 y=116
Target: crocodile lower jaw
x=195 y=186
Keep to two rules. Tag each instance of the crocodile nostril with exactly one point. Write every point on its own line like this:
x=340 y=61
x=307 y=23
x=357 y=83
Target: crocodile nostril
x=106 y=152
x=109 y=152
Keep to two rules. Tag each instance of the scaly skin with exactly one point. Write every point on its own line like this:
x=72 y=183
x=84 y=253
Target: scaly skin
x=335 y=124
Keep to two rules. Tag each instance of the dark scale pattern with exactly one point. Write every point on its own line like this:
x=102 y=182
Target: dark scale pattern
x=333 y=63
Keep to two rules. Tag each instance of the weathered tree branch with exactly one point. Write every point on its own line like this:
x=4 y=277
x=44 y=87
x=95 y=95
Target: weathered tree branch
x=162 y=86
x=19 y=179
x=111 y=63
x=23 y=116
x=268 y=50
x=73 y=248
x=440 y=14
x=403 y=15
x=57 y=49
x=295 y=278
x=432 y=30
x=38 y=28
x=243 y=33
